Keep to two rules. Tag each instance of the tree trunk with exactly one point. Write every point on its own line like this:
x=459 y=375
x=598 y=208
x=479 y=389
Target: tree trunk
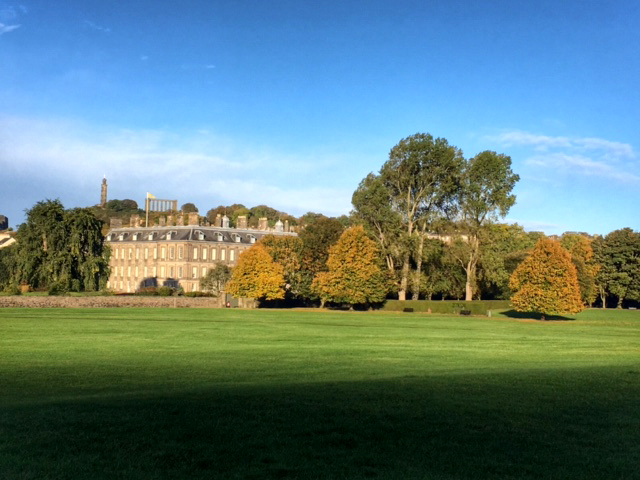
x=471 y=267
x=415 y=291
x=404 y=279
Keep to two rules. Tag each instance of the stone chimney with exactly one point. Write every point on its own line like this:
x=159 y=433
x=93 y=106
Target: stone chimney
x=135 y=221
x=170 y=220
x=115 y=223
x=242 y=222
x=279 y=226
x=194 y=217
x=263 y=223
x=286 y=225
x=218 y=220
x=162 y=221
x=225 y=222
x=180 y=221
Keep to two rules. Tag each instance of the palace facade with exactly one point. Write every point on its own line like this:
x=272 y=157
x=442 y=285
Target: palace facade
x=177 y=255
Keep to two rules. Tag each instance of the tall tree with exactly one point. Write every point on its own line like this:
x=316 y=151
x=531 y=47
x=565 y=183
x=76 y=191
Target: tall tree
x=287 y=252
x=422 y=176
x=257 y=276
x=579 y=246
x=546 y=281
x=487 y=183
x=354 y=275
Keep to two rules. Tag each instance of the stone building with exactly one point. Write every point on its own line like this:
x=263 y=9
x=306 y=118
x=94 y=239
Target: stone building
x=176 y=255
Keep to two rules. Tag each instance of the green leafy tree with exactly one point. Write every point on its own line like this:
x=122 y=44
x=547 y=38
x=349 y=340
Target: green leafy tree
x=618 y=255
x=62 y=248
x=189 y=208
x=421 y=176
x=487 y=183
x=257 y=276
x=7 y=266
x=354 y=275
x=216 y=278
x=546 y=281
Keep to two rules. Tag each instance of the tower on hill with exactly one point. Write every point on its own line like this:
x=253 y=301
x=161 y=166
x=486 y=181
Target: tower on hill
x=103 y=193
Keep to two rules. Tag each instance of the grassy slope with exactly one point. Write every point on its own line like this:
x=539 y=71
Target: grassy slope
x=272 y=394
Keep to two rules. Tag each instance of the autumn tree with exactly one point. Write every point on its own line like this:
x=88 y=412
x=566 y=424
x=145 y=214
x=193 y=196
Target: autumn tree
x=579 y=246
x=354 y=275
x=257 y=276
x=286 y=251
x=485 y=195
x=546 y=281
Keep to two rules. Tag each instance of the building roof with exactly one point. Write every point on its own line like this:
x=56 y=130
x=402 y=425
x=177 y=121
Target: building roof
x=190 y=233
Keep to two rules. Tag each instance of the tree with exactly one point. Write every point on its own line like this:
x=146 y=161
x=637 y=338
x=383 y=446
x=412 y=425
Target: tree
x=215 y=279
x=546 y=281
x=62 y=248
x=487 y=182
x=354 y=275
x=257 y=276
x=286 y=251
x=189 y=208
x=421 y=177
x=579 y=246
x=619 y=258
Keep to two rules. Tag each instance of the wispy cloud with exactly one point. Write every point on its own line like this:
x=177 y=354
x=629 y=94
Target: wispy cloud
x=94 y=26
x=586 y=156
x=197 y=166
x=7 y=28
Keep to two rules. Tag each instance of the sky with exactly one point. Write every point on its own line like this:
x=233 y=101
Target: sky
x=292 y=103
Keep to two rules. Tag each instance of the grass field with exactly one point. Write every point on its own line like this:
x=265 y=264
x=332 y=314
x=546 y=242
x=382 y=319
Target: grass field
x=182 y=393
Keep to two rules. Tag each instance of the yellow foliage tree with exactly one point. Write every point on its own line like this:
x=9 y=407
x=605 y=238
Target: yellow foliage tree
x=546 y=281
x=354 y=275
x=257 y=276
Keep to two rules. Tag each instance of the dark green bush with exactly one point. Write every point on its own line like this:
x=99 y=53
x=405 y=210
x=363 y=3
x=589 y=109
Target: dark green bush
x=12 y=290
x=198 y=294
x=56 y=289
x=165 y=291
x=147 y=292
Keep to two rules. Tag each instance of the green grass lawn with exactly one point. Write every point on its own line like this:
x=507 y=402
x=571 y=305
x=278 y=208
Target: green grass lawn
x=184 y=393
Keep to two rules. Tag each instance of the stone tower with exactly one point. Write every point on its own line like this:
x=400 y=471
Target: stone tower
x=103 y=193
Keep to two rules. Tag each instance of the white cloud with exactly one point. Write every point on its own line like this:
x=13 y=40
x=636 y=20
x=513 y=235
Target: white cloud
x=97 y=27
x=70 y=159
x=7 y=28
x=580 y=155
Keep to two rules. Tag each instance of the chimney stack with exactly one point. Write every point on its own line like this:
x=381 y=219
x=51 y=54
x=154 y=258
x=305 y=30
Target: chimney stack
x=242 y=222
x=263 y=223
x=193 y=218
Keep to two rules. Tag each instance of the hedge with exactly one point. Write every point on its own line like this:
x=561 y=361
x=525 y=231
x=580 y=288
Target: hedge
x=475 y=307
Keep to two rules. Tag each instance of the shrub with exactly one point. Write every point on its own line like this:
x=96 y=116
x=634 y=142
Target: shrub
x=476 y=307
x=165 y=291
x=12 y=290
x=198 y=294
x=56 y=289
x=147 y=292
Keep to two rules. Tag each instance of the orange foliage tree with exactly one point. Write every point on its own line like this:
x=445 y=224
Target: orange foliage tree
x=546 y=281
x=257 y=276
x=354 y=275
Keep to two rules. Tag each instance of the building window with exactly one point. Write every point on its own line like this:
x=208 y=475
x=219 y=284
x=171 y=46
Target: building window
x=121 y=271
x=214 y=254
x=195 y=253
x=194 y=272
x=194 y=287
x=204 y=253
x=155 y=253
x=179 y=272
x=130 y=253
x=162 y=272
x=128 y=271
x=204 y=271
x=172 y=252
x=136 y=271
x=146 y=272
x=223 y=254
x=137 y=253
x=232 y=255
x=154 y=271
x=116 y=253
x=146 y=253
x=163 y=253
x=180 y=251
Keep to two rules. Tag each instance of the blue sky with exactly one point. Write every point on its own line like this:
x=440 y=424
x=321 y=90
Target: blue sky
x=291 y=103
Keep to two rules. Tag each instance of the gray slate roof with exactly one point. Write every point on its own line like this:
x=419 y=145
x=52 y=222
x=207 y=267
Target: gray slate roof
x=189 y=233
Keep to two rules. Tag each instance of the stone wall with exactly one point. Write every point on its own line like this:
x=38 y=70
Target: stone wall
x=110 y=301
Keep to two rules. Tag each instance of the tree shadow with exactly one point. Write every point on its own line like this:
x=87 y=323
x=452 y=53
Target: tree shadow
x=535 y=316
x=559 y=424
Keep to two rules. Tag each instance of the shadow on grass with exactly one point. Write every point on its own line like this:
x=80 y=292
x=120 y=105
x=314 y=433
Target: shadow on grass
x=564 y=424
x=535 y=316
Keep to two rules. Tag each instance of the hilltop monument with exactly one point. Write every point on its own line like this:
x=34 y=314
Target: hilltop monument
x=103 y=193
